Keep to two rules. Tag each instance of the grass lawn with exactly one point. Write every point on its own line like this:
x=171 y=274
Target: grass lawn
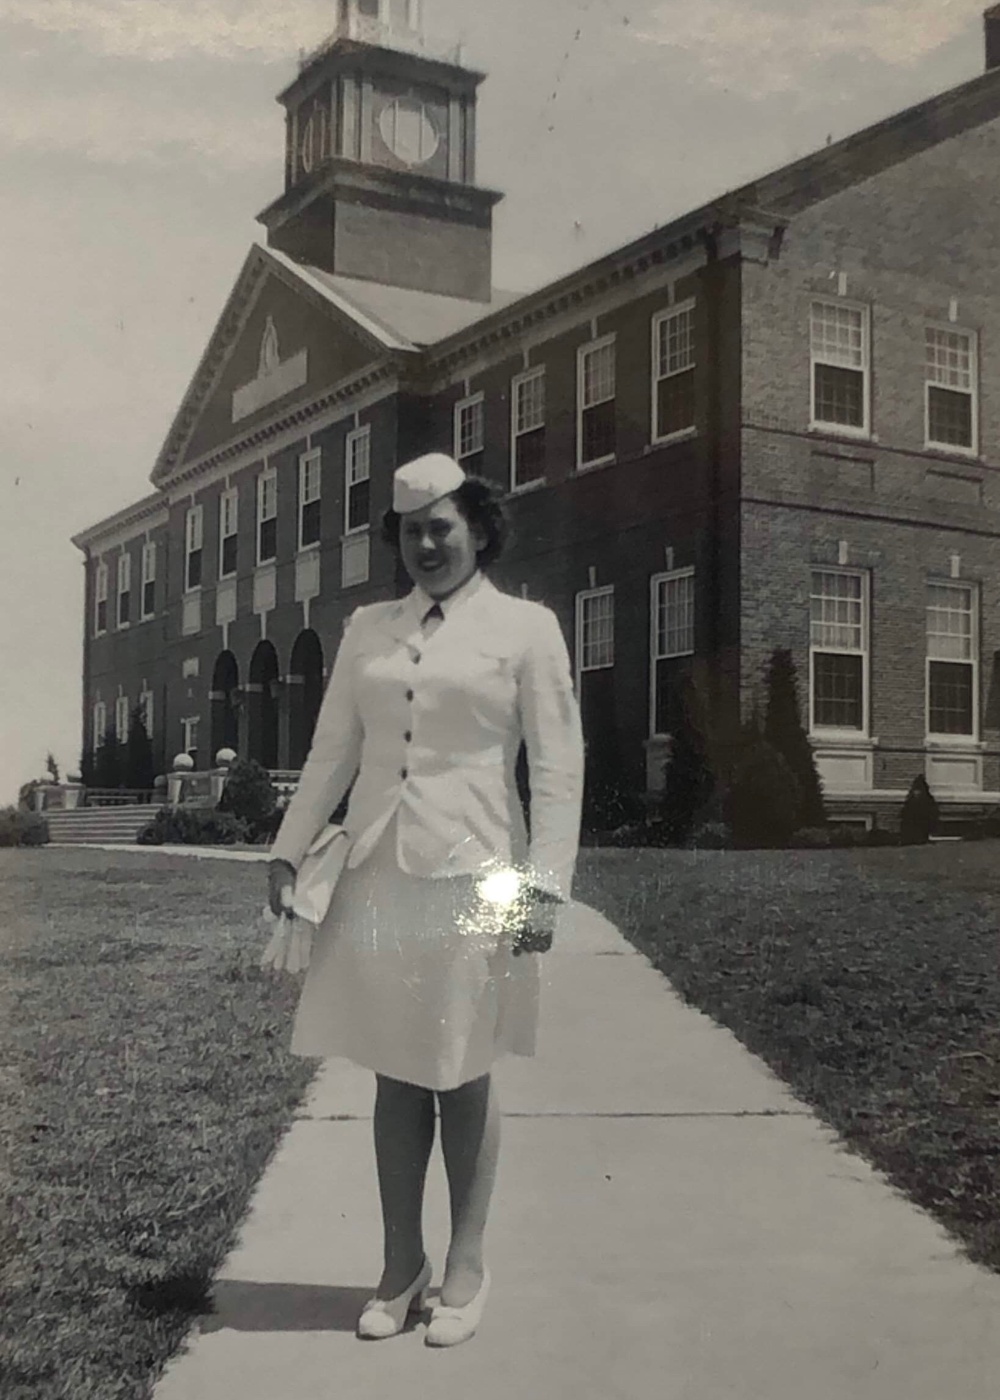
x=868 y=980
x=144 y=1082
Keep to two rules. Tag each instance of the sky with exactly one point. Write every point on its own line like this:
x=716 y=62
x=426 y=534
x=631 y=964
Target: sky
x=140 y=138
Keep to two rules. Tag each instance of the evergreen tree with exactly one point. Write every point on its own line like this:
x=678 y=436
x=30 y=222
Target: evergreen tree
x=139 y=772
x=108 y=761
x=52 y=768
x=688 y=780
x=87 y=771
x=784 y=731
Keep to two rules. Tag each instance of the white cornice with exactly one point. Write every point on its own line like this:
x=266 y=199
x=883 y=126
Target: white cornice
x=124 y=527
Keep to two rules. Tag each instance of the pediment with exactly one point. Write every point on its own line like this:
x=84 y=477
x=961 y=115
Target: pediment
x=278 y=342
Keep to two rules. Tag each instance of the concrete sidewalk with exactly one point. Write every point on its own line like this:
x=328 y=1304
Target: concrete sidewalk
x=670 y=1224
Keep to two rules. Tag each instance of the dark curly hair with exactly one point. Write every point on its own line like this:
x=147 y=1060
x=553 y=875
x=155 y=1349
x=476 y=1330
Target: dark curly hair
x=482 y=504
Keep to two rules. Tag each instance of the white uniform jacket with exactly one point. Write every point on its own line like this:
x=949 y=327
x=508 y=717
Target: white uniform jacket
x=432 y=726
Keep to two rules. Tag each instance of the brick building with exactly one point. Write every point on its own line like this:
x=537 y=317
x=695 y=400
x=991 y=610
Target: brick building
x=775 y=421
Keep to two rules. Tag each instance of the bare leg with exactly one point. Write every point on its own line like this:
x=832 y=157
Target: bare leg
x=404 y=1137
x=470 y=1140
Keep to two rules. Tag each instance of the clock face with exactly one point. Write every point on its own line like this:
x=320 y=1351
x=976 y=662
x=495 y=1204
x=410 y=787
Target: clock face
x=408 y=128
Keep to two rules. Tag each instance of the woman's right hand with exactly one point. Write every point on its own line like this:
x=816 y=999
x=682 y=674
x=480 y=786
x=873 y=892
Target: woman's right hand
x=281 y=883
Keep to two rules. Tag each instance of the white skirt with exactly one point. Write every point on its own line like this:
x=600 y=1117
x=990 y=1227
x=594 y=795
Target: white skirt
x=405 y=980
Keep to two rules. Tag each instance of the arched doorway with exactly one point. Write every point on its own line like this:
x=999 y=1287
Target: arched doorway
x=225 y=727
x=305 y=694
x=262 y=706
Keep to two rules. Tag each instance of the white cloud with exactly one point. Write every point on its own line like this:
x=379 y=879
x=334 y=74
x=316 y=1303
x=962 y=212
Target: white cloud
x=761 y=48
x=167 y=29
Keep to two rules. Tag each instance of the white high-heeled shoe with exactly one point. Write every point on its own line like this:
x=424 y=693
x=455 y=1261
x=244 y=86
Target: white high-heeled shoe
x=450 y=1326
x=384 y=1317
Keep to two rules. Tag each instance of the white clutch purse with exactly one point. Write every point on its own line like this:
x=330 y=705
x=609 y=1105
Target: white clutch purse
x=290 y=945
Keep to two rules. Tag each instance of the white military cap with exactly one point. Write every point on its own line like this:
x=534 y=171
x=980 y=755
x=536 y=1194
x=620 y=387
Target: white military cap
x=425 y=480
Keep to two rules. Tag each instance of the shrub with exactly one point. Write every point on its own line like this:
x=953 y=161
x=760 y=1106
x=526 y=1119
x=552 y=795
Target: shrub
x=138 y=769
x=108 y=761
x=688 y=779
x=249 y=794
x=21 y=828
x=919 y=818
x=784 y=731
x=192 y=826
x=763 y=799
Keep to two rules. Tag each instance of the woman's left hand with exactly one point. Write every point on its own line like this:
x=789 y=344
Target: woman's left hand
x=536 y=933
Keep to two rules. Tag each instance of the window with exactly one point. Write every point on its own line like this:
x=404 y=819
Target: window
x=146 y=710
x=357 y=491
x=595 y=629
x=596 y=402
x=189 y=739
x=952 y=660
x=124 y=589
x=148 y=579
x=470 y=431
x=309 y=499
x=673 y=372
x=100 y=723
x=267 y=516
x=951 y=384
x=840 y=365
x=839 y=650
x=194 y=542
x=121 y=719
x=229 y=509
x=674 y=615
x=527 y=428
x=100 y=599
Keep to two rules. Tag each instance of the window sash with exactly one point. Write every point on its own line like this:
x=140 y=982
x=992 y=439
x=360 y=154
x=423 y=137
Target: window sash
x=148 y=563
x=951 y=622
x=837 y=611
x=357 y=496
x=124 y=589
x=146 y=704
x=839 y=659
x=950 y=359
x=101 y=599
x=121 y=719
x=528 y=394
x=100 y=722
x=194 y=531
x=597 y=374
x=228 y=533
x=596 y=630
x=674 y=620
x=470 y=426
x=673 y=333
x=838 y=335
x=309 y=499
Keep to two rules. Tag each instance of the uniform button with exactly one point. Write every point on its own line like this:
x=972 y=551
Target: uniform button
x=403 y=773
x=408 y=735
x=409 y=695
x=416 y=658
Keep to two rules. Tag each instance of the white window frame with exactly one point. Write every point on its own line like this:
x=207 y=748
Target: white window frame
x=972 y=589
x=583 y=353
x=357 y=469
x=655 y=655
x=124 y=590
x=865 y=368
x=194 y=543
x=99 y=719
x=307 y=462
x=469 y=406
x=973 y=390
x=146 y=704
x=123 y=713
x=189 y=731
x=101 y=584
x=229 y=527
x=148 y=577
x=684 y=308
x=588 y=595
x=267 y=510
x=517 y=430
x=832 y=731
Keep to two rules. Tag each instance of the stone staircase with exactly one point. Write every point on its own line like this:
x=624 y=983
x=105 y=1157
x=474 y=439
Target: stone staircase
x=99 y=826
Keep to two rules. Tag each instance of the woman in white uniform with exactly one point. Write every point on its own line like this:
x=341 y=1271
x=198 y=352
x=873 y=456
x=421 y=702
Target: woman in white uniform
x=423 y=970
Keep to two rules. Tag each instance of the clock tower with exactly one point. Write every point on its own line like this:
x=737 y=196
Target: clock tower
x=380 y=159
